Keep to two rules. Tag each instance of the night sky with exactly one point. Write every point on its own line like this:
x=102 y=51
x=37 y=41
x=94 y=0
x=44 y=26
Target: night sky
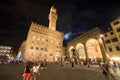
x=74 y=16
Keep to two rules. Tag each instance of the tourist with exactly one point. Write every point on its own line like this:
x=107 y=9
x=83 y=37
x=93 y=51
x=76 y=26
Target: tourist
x=106 y=70
x=72 y=63
x=112 y=71
x=27 y=72
x=35 y=70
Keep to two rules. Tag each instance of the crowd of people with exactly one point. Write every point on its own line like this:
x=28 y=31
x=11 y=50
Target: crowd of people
x=110 y=69
x=32 y=70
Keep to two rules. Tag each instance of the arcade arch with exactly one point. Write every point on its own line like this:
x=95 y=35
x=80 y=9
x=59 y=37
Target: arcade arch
x=80 y=50
x=72 y=51
x=93 y=50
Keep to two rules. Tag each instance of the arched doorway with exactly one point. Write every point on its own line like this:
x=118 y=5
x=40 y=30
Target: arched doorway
x=81 y=51
x=93 y=50
x=72 y=52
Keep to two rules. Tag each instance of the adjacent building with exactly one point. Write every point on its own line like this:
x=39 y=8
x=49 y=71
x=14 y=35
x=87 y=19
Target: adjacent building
x=6 y=51
x=112 y=45
x=88 y=46
x=116 y=28
x=96 y=45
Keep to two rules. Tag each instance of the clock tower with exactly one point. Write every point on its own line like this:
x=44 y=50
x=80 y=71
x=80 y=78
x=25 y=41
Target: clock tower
x=52 y=18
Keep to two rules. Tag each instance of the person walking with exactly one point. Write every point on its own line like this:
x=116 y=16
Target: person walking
x=62 y=64
x=35 y=70
x=27 y=72
x=45 y=64
x=112 y=72
x=106 y=70
x=72 y=63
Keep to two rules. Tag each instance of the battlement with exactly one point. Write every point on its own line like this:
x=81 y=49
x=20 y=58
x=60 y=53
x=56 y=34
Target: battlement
x=38 y=27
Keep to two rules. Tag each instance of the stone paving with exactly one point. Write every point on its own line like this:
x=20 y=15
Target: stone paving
x=54 y=72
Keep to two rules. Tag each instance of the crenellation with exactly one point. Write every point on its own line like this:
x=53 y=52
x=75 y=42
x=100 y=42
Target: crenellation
x=45 y=29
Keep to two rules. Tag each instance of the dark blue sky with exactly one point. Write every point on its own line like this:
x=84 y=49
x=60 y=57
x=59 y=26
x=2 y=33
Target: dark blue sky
x=73 y=16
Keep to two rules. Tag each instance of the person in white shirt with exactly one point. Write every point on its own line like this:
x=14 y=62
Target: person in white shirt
x=35 y=71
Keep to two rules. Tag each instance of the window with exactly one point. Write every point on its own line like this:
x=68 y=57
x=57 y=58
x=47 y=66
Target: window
x=38 y=38
x=60 y=51
x=116 y=22
x=59 y=43
x=107 y=41
x=118 y=48
x=31 y=47
x=114 y=39
x=118 y=29
x=46 y=40
x=41 y=48
x=37 y=42
x=110 y=49
x=105 y=35
x=111 y=33
x=37 y=48
x=51 y=54
x=33 y=37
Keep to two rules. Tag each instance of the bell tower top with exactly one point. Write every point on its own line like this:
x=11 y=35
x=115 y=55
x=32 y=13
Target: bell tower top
x=53 y=9
x=52 y=18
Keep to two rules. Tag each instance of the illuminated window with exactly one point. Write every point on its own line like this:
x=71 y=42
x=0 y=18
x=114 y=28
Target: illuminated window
x=8 y=51
x=52 y=41
x=38 y=38
x=4 y=50
x=34 y=37
x=6 y=47
x=43 y=39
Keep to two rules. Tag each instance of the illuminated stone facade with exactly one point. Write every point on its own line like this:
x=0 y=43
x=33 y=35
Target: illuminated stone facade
x=44 y=43
x=94 y=45
x=6 y=51
x=88 y=46
x=116 y=28
x=112 y=45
